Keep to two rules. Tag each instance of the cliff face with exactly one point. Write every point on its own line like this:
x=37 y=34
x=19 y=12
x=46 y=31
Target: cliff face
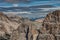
x=51 y=24
x=8 y=24
x=19 y=28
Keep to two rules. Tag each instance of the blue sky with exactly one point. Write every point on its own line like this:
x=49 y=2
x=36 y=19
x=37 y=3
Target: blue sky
x=35 y=12
x=32 y=3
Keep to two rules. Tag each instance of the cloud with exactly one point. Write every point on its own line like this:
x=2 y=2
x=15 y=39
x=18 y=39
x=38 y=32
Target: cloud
x=33 y=3
x=42 y=6
x=17 y=12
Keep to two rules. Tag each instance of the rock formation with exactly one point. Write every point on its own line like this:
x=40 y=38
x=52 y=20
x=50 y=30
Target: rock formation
x=16 y=28
x=51 y=24
x=19 y=28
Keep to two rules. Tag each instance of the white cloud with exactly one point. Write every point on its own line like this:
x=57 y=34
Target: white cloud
x=48 y=9
x=24 y=12
x=15 y=5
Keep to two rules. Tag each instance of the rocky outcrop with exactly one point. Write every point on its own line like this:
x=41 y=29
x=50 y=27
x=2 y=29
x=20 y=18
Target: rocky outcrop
x=51 y=24
x=13 y=26
x=19 y=28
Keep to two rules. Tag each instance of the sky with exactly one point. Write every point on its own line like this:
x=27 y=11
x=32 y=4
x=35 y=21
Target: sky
x=31 y=8
x=23 y=3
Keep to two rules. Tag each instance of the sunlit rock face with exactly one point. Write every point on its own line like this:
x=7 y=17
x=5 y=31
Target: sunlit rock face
x=10 y=26
x=51 y=24
x=14 y=27
x=17 y=28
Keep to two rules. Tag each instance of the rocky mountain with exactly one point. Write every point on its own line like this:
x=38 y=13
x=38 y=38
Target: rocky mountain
x=51 y=24
x=14 y=27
